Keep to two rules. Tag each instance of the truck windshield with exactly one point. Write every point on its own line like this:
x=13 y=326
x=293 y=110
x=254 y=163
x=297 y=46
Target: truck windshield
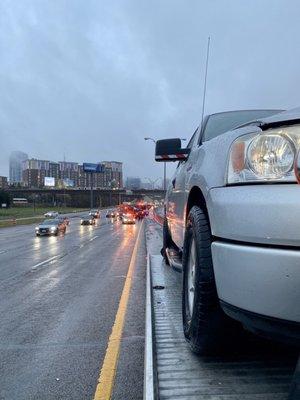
x=223 y=122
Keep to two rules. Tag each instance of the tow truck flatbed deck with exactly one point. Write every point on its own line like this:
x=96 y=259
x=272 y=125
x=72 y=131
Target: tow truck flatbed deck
x=254 y=369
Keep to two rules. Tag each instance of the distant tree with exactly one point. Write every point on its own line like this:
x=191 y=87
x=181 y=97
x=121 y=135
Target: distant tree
x=4 y=198
x=114 y=184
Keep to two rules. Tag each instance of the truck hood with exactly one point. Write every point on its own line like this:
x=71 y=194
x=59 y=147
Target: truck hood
x=288 y=117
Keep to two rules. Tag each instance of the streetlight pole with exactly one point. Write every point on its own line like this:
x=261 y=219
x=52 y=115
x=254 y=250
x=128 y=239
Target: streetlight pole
x=92 y=176
x=165 y=165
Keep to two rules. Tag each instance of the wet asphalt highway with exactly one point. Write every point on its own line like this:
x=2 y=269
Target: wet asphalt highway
x=59 y=298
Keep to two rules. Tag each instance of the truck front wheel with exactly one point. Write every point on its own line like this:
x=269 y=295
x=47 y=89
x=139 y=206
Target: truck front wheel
x=206 y=326
x=167 y=241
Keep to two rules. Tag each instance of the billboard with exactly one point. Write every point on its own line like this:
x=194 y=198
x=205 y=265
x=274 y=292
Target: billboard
x=49 y=181
x=68 y=182
x=90 y=167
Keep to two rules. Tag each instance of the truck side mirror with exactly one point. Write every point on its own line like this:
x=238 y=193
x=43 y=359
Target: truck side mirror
x=170 y=150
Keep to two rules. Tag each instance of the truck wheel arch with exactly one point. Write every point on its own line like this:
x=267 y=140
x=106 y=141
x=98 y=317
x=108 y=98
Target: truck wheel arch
x=195 y=198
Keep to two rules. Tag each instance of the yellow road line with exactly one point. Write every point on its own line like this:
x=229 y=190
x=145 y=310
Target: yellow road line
x=109 y=366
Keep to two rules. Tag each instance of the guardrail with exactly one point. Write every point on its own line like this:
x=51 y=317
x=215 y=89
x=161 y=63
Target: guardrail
x=149 y=381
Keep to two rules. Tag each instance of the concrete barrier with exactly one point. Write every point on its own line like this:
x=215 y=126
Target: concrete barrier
x=158 y=216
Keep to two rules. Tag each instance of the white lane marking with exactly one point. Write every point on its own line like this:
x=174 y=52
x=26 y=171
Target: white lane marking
x=2 y=251
x=44 y=262
x=93 y=238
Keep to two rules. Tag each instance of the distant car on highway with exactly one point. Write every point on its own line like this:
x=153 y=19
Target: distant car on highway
x=88 y=220
x=50 y=227
x=140 y=214
x=128 y=219
x=119 y=215
x=111 y=214
x=51 y=214
x=64 y=220
x=232 y=225
x=94 y=213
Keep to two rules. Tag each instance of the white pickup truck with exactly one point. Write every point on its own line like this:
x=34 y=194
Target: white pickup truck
x=232 y=224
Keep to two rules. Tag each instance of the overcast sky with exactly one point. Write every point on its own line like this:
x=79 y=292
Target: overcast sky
x=91 y=79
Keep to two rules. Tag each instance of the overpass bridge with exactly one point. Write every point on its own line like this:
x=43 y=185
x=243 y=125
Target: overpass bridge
x=81 y=197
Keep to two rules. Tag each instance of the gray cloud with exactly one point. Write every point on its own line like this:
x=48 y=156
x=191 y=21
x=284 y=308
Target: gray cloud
x=92 y=78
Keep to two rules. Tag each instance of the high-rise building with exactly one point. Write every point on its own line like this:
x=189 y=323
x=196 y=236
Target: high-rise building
x=34 y=172
x=84 y=179
x=15 y=166
x=133 y=183
x=113 y=174
x=3 y=182
x=71 y=174
x=146 y=185
x=100 y=179
x=68 y=171
x=54 y=170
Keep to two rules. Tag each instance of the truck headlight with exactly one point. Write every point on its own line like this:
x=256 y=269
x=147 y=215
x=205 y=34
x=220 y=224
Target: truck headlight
x=271 y=156
x=267 y=156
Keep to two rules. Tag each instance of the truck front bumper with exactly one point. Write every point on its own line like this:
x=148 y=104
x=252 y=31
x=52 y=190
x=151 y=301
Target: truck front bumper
x=256 y=255
x=261 y=281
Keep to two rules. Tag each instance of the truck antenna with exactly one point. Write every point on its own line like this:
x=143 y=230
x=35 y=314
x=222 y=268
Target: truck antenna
x=205 y=80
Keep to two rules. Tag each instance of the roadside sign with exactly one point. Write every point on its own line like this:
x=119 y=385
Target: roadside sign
x=49 y=181
x=3 y=205
x=68 y=182
x=90 y=167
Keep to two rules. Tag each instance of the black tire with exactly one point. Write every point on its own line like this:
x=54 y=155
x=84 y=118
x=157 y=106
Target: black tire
x=207 y=328
x=167 y=241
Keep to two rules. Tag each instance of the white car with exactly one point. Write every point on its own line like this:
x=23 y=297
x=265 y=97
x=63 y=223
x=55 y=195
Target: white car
x=50 y=227
x=128 y=219
x=51 y=214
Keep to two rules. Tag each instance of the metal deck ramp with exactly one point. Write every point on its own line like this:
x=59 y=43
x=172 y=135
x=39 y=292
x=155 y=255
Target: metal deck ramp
x=254 y=370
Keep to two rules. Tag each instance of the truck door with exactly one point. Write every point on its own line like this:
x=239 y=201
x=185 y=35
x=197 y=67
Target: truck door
x=178 y=195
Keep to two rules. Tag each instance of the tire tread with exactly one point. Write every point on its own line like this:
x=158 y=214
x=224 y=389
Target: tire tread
x=208 y=323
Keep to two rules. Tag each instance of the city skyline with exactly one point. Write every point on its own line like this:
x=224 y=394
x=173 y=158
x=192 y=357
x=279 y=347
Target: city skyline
x=144 y=182
x=36 y=173
x=5 y=171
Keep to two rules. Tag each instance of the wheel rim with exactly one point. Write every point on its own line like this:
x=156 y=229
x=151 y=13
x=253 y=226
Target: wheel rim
x=191 y=277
